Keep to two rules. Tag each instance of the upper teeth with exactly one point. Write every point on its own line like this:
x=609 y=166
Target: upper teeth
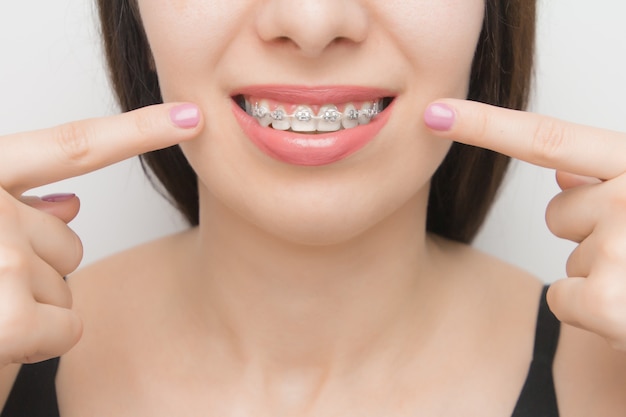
x=304 y=119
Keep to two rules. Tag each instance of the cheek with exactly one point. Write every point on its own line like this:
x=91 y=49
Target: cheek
x=188 y=38
x=437 y=38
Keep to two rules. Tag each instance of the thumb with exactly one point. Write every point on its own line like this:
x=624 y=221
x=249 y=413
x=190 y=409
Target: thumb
x=63 y=206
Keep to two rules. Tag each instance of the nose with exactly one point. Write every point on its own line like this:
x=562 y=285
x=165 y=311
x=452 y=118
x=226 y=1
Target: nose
x=312 y=26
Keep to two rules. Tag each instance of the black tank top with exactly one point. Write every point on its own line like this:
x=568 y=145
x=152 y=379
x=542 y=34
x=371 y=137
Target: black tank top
x=34 y=393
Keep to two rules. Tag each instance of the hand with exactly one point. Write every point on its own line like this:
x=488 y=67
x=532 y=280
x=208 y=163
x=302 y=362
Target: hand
x=37 y=249
x=590 y=210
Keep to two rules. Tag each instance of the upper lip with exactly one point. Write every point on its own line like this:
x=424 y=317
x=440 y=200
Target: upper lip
x=314 y=95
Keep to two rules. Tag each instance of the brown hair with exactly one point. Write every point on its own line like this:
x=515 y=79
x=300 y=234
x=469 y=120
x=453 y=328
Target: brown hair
x=464 y=186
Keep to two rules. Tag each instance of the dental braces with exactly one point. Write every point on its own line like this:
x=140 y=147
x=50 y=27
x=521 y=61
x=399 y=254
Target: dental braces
x=305 y=115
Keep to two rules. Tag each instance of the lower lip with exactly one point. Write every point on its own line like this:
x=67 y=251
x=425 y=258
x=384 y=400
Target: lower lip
x=305 y=149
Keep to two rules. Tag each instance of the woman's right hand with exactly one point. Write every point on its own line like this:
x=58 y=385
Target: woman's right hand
x=37 y=248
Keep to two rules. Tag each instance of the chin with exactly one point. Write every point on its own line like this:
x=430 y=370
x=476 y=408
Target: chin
x=336 y=221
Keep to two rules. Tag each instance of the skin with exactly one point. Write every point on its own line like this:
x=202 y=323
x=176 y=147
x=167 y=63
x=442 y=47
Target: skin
x=268 y=308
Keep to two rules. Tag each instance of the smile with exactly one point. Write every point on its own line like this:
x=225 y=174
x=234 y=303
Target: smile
x=311 y=118
x=311 y=126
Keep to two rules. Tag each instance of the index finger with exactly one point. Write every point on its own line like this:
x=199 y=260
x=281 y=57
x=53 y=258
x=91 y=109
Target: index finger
x=540 y=140
x=31 y=159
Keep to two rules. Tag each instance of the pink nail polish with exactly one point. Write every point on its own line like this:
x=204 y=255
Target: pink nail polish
x=57 y=198
x=185 y=116
x=439 y=116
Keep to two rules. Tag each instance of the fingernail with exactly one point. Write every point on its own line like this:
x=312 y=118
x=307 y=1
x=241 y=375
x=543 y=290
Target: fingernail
x=185 y=116
x=57 y=198
x=439 y=116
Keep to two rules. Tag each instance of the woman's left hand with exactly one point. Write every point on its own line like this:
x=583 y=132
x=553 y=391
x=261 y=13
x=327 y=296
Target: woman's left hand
x=590 y=210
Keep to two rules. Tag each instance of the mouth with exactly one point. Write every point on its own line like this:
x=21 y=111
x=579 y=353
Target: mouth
x=311 y=126
x=311 y=118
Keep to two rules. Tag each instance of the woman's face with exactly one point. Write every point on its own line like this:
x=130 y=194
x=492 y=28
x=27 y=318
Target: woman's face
x=314 y=67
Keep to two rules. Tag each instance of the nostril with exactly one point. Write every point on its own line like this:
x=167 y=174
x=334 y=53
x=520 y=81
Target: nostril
x=341 y=40
x=284 y=40
x=285 y=43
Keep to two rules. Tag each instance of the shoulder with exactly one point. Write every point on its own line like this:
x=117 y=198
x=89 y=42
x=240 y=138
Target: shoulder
x=589 y=375
x=484 y=270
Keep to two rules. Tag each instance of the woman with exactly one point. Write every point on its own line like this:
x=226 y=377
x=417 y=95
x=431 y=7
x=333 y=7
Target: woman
x=325 y=260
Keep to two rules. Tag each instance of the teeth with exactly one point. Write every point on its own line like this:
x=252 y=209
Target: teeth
x=304 y=119
x=262 y=112
x=330 y=119
x=280 y=120
x=364 y=114
x=352 y=117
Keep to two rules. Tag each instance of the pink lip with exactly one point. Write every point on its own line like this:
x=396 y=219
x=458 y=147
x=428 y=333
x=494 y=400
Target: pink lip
x=307 y=149
x=314 y=95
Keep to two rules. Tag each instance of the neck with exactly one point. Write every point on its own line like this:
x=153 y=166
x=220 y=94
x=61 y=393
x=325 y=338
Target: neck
x=286 y=306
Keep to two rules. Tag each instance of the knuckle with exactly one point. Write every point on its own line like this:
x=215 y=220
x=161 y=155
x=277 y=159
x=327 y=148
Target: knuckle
x=12 y=261
x=482 y=123
x=79 y=249
x=552 y=216
x=548 y=139
x=145 y=124
x=8 y=208
x=73 y=141
x=606 y=302
x=558 y=217
x=613 y=250
x=74 y=257
x=617 y=201
x=618 y=343
x=572 y=266
x=17 y=321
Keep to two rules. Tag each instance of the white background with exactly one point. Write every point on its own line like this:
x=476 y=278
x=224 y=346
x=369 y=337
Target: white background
x=51 y=72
